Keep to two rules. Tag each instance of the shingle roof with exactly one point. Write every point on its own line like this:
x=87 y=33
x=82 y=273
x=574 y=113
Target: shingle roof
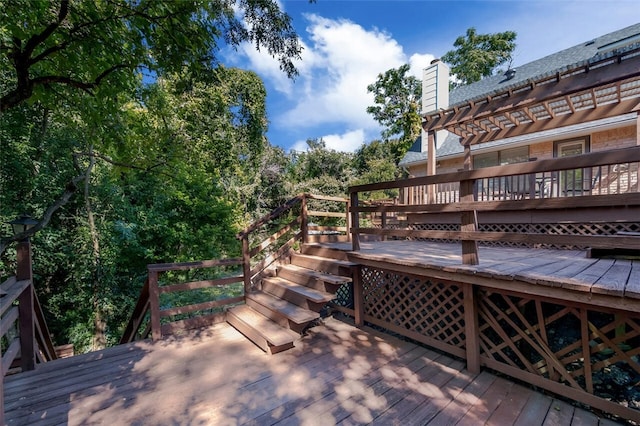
x=549 y=65
x=450 y=146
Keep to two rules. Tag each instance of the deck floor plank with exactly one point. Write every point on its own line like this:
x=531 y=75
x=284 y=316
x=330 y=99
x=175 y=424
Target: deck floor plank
x=560 y=414
x=632 y=289
x=511 y=406
x=336 y=374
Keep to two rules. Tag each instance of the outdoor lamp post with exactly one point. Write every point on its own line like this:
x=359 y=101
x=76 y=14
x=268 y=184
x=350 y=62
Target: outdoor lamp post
x=22 y=224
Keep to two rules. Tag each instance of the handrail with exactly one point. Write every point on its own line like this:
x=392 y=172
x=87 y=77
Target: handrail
x=469 y=203
x=289 y=204
x=137 y=317
x=592 y=159
x=255 y=259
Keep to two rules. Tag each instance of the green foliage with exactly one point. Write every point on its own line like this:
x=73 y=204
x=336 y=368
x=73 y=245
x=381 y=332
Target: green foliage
x=321 y=170
x=61 y=47
x=477 y=55
x=377 y=161
x=397 y=98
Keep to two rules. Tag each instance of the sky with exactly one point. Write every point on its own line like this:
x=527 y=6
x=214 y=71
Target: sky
x=348 y=43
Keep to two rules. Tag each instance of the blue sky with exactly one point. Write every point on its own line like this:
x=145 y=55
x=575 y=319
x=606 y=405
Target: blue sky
x=348 y=43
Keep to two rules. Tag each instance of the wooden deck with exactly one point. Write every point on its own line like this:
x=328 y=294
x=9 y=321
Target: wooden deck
x=559 y=273
x=337 y=374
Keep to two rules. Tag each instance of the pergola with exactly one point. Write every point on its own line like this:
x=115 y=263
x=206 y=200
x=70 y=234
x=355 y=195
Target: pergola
x=605 y=86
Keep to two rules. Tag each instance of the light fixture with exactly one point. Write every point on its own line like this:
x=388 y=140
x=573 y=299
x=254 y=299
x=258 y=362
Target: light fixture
x=22 y=224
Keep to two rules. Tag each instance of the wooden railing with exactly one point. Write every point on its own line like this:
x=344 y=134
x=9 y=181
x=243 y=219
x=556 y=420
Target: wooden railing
x=23 y=331
x=613 y=178
x=264 y=242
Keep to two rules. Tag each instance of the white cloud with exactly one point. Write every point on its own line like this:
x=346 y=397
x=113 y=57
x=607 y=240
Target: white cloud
x=418 y=62
x=341 y=60
x=346 y=142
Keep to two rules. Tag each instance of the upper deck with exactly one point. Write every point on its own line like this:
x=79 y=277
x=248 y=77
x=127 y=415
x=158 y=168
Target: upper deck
x=561 y=274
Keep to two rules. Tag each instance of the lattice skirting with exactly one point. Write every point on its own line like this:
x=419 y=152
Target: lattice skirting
x=427 y=311
x=585 y=349
x=587 y=353
x=587 y=228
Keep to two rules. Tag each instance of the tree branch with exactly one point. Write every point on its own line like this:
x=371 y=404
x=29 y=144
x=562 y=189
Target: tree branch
x=71 y=188
x=40 y=38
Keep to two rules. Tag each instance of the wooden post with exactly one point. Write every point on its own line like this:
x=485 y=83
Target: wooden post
x=472 y=339
x=246 y=264
x=304 y=220
x=25 y=307
x=355 y=222
x=154 y=304
x=358 y=296
x=468 y=223
x=383 y=224
x=431 y=165
x=348 y=220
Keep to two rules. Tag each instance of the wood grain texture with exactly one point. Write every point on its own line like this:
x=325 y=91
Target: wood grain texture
x=337 y=374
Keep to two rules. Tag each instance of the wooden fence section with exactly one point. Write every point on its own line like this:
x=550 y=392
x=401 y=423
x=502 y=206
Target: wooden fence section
x=188 y=304
x=23 y=331
x=268 y=240
x=613 y=198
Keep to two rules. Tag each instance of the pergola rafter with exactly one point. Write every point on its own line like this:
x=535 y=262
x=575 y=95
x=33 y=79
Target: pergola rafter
x=603 y=89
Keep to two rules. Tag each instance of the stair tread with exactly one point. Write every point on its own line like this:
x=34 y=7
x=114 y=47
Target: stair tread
x=308 y=292
x=344 y=263
x=293 y=312
x=329 y=278
x=268 y=329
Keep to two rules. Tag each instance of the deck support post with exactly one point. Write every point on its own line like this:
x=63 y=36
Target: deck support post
x=472 y=343
x=355 y=222
x=154 y=304
x=26 y=316
x=358 y=296
x=468 y=223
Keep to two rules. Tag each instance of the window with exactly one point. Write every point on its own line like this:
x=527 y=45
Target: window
x=500 y=158
x=497 y=188
x=576 y=181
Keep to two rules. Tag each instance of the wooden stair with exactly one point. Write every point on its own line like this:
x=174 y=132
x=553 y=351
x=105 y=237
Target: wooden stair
x=290 y=299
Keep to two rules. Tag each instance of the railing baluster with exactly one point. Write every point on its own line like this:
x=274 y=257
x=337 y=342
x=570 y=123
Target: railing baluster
x=154 y=302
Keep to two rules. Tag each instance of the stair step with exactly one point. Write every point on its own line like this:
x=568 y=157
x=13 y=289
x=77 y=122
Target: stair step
x=275 y=308
x=261 y=330
x=296 y=293
x=306 y=276
x=323 y=264
x=319 y=250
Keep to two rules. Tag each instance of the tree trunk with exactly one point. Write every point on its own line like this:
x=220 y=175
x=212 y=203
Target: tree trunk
x=99 y=322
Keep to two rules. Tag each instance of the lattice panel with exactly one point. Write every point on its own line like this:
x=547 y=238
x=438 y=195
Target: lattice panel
x=537 y=228
x=415 y=303
x=344 y=296
x=597 y=352
x=435 y=227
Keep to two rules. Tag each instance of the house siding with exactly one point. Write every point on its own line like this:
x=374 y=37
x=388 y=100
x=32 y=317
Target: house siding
x=622 y=137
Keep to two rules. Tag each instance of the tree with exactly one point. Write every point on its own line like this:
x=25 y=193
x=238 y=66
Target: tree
x=51 y=46
x=86 y=57
x=397 y=98
x=477 y=55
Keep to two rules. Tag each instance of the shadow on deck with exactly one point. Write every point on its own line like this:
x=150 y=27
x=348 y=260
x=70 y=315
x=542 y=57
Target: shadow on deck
x=336 y=374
